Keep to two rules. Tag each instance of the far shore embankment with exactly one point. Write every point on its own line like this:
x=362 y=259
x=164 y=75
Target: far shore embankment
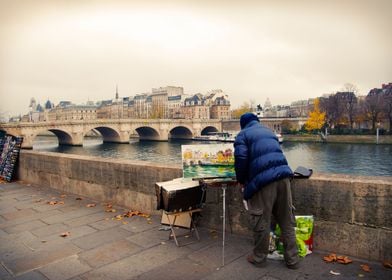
x=354 y=139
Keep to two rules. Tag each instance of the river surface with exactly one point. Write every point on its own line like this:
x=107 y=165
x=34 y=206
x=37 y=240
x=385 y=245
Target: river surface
x=358 y=159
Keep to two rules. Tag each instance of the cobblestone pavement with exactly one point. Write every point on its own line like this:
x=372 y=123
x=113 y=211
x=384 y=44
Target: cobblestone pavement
x=99 y=246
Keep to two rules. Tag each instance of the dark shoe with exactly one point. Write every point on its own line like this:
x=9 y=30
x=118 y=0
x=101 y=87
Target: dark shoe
x=251 y=259
x=294 y=265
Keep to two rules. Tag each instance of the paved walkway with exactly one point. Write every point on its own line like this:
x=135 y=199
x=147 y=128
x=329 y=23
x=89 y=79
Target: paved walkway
x=101 y=247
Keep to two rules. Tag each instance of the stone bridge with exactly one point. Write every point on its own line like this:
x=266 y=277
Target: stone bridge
x=116 y=131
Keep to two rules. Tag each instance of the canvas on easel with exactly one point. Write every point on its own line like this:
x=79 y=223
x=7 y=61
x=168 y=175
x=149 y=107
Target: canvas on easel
x=208 y=160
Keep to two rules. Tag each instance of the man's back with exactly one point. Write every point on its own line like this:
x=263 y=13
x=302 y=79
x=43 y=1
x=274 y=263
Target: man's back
x=259 y=158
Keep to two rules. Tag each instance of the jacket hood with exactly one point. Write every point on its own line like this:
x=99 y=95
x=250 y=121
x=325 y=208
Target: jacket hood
x=247 y=118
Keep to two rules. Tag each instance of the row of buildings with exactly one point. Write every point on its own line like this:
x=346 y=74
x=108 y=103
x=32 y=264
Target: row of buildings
x=162 y=103
x=168 y=102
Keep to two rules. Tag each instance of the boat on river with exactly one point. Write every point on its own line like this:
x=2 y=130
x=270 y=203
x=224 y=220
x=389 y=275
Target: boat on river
x=217 y=136
x=280 y=137
x=225 y=137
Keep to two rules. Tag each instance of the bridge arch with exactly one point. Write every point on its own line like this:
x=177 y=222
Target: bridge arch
x=63 y=136
x=147 y=133
x=109 y=135
x=208 y=129
x=180 y=132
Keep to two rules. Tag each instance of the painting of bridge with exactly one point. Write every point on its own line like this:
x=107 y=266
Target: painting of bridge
x=208 y=160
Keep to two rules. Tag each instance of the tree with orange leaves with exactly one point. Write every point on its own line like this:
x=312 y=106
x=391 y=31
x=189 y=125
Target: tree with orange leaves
x=316 y=118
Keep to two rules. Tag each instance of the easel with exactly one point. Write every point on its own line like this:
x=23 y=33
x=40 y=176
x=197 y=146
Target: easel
x=223 y=183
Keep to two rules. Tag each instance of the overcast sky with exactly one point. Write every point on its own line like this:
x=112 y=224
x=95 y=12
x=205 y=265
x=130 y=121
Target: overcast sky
x=283 y=50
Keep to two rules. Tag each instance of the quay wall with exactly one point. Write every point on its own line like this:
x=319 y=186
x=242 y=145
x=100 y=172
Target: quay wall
x=353 y=214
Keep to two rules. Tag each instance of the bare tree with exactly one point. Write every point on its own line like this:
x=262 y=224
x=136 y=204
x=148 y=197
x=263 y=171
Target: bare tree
x=352 y=102
x=374 y=106
x=360 y=115
x=350 y=88
x=333 y=109
x=387 y=102
x=348 y=101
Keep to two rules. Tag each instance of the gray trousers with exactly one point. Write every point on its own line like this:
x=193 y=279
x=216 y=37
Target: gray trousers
x=273 y=199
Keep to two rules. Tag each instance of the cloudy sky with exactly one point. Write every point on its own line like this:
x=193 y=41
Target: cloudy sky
x=284 y=50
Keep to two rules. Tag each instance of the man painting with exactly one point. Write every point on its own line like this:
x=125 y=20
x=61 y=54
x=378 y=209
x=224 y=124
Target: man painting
x=262 y=169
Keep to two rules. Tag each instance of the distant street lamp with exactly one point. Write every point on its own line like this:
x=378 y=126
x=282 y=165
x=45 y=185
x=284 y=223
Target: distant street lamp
x=377 y=131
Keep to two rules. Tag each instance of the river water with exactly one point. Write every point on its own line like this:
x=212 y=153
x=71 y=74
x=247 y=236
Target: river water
x=358 y=159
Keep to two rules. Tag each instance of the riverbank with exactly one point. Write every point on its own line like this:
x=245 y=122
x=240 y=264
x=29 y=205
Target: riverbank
x=353 y=139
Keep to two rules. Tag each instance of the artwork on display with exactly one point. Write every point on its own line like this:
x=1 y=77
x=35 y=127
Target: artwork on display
x=208 y=160
x=9 y=153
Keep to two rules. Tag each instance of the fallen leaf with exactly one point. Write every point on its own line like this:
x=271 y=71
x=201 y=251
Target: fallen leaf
x=78 y=198
x=328 y=259
x=366 y=267
x=387 y=264
x=110 y=210
x=53 y=202
x=91 y=205
x=108 y=205
x=61 y=202
x=334 y=273
x=65 y=234
x=43 y=241
x=340 y=259
x=131 y=213
x=125 y=223
x=344 y=260
x=118 y=217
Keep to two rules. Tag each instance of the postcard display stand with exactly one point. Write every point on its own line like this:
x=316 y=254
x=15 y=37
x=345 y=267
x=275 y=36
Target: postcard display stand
x=9 y=152
x=180 y=199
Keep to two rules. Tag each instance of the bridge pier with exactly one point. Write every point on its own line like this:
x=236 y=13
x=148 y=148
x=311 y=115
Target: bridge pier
x=121 y=138
x=27 y=142
x=76 y=139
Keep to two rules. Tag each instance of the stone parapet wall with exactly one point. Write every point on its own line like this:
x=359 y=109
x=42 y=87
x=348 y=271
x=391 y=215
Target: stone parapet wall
x=124 y=182
x=353 y=214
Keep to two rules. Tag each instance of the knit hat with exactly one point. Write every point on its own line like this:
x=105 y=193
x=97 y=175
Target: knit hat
x=247 y=118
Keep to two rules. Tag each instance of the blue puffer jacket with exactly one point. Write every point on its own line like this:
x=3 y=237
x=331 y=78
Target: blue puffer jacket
x=259 y=160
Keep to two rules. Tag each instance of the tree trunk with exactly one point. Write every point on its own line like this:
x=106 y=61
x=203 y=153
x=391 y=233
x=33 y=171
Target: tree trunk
x=390 y=124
